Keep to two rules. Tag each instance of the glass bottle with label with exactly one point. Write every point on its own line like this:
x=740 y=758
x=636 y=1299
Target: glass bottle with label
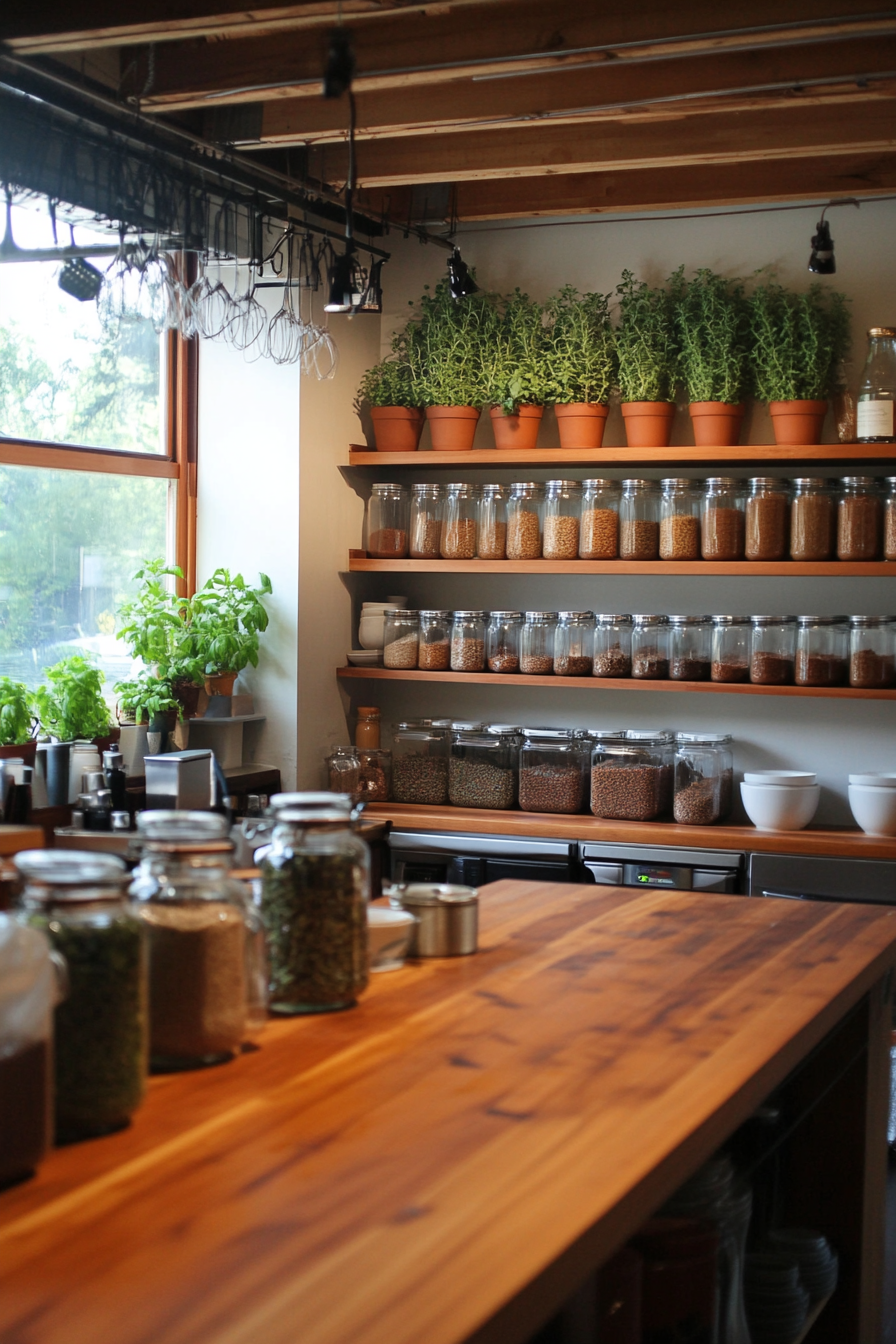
x=877 y=390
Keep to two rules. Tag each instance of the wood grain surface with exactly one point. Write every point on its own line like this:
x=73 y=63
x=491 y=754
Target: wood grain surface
x=400 y=1172
x=620 y=455
x=358 y=563
x=13 y=839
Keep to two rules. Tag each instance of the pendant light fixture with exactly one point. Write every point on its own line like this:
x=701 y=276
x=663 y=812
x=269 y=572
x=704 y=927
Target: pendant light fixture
x=821 y=258
x=460 y=282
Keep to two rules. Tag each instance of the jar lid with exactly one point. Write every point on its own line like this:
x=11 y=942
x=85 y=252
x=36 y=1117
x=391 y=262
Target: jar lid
x=71 y=868
x=425 y=893
x=867 y=622
x=604 y=732
x=310 y=816
x=280 y=801
x=493 y=488
x=606 y=618
x=881 y=331
x=687 y=620
x=821 y=620
x=649 y=620
x=859 y=482
x=386 y=487
x=466 y=725
x=679 y=483
x=367 y=711
x=400 y=611
x=436 y=614
x=811 y=482
x=540 y=617
x=731 y=620
x=639 y=483
x=716 y=739
x=470 y=615
x=427 y=488
x=506 y=615
x=460 y=488
x=347 y=749
x=554 y=486
x=600 y=483
x=767 y=483
x=724 y=483
x=423 y=727
x=575 y=615
x=549 y=734
x=173 y=829
x=648 y=735
x=517 y=486
x=503 y=729
x=773 y=620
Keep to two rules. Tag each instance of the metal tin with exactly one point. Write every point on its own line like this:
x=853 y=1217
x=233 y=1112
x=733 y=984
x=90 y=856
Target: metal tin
x=447 y=918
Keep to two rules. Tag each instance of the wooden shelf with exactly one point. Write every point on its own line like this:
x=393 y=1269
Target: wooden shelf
x=609 y=683
x=744 y=454
x=359 y=564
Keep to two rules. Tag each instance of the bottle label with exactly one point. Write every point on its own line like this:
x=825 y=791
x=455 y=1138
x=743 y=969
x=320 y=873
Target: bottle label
x=875 y=420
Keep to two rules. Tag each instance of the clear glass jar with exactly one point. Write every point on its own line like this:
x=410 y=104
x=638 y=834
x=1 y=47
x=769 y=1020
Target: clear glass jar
x=553 y=769
x=721 y=743
x=650 y=648
x=375 y=775
x=859 y=519
x=772 y=650
x=434 y=650
x=822 y=649
x=367 y=727
x=344 y=772
x=468 y=641
x=458 y=539
x=401 y=638
x=207 y=990
x=812 y=519
x=767 y=517
x=680 y=519
x=315 y=885
x=631 y=778
x=889 y=505
x=877 y=390
x=426 y=522
x=524 y=513
x=639 y=520
x=100 y=1034
x=562 y=515
x=599 y=531
x=387 y=522
x=419 y=762
x=483 y=765
x=502 y=641
x=537 y=643
x=872 y=652
x=491 y=527
x=690 y=640
x=698 y=782
x=28 y=994
x=722 y=519
x=574 y=644
x=612 y=645
x=731 y=644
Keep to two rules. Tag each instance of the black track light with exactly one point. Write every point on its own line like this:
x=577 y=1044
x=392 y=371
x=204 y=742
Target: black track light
x=371 y=300
x=340 y=67
x=340 y=284
x=821 y=259
x=460 y=282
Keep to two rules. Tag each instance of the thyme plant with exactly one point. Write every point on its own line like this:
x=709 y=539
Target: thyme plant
x=712 y=326
x=580 y=347
x=518 y=367
x=797 y=341
x=446 y=348
x=646 y=342
x=390 y=383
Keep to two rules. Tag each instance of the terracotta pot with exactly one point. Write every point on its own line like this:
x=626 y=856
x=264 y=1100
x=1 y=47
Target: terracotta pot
x=716 y=423
x=798 y=421
x=222 y=684
x=453 y=428
x=648 y=424
x=396 y=429
x=581 y=424
x=516 y=431
x=188 y=693
x=27 y=752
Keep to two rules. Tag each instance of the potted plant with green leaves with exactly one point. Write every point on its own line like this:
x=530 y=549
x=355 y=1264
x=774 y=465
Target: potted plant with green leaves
x=388 y=393
x=712 y=322
x=157 y=630
x=227 y=616
x=797 y=341
x=446 y=350
x=71 y=708
x=647 y=346
x=16 y=721
x=581 y=357
x=148 y=699
x=517 y=373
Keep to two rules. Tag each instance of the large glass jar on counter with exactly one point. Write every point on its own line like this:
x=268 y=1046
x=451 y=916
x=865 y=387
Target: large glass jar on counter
x=434 y=651
x=813 y=521
x=482 y=767
x=502 y=641
x=387 y=522
x=573 y=643
x=458 y=540
x=537 y=643
x=680 y=519
x=207 y=990
x=524 y=513
x=28 y=994
x=78 y=900
x=822 y=651
x=344 y=771
x=562 y=513
x=767 y=517
x=639 y=520
x=315 y=885
x=401 y=638
x=650 y=648
x=690 y=639
x=859 y=519
x=419 y=762
x=877 y=390
x=612 y=645
x=698 y=781
x=722 y=519
x=731 y=647
x=721 y=743
x=553 y=770
x=468 y=641
x=889 y=506
x=872 y=652
x=631 y=778
x=491 y=527
x=772 y=650
x=426 y=522
x=599 y=531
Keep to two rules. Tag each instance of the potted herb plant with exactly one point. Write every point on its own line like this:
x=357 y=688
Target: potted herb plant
x=648 y=362
x=581 y=358
x=517 y=373
x=712 y=324
x=16 y=721
x=390 y=394
x=445 y=349
x=226 y=618
x=148 y=699
x=797 y=342
x=158 y=632
x=71 y=708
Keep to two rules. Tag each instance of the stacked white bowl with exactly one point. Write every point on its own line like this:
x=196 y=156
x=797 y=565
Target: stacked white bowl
x=780 y=800
x=872 y=798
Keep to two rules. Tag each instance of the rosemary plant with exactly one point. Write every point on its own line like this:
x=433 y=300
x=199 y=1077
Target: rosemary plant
x=712 y=326
x=446 y=349
x=580 y=347
x=797 y=341
x=646 y=342
x=518 y=367
x=390 y=383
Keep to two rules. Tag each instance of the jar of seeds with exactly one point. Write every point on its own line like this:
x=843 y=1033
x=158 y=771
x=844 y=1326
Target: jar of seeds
x=375 y=775
x=872 y=652
x=458 y=539
x=100 y=1034
x=698 y=782
x=650 y=647
x=599 y=531
x=772 y=650
x=680 y=519
x=889 y=507
x=30 y=987
x=859 y=519
x=639 y=520
x=434 y=649
x=731 y=646
x=537 y=643
x=344 y=772
x=562 y=512
x=387 y=522
x=631 y=779
x=767 y=516
x=419 y=762
x=502 y=641
x=812 y=519
x=574 y=644
x=722 y=519
x=426 y=522
x=721 y=743
x=315 y=885
x=491 y=527
x=553 y=770
x=402 y=637
x=822 y=651
x=468 y=641
x=524 y=510
x=612 y=645
x=483 y=765
x=690 y=640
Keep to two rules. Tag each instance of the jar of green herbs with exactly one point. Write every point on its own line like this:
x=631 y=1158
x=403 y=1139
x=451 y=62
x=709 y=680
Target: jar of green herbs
x=100 y=1028
x=314 y=892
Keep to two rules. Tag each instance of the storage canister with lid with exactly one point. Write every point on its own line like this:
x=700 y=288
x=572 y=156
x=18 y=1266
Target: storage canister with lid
x=458 y=539
x=29 y=990
x=374 y=775
x=813 y=520
x=447 y=918
x=722 y=519
x=690 y=640
x=731 y=647
x=767 y=517
x=822 y=648
x=468 y=641
x=722 y=745
x=573 y=643
x=344 y=771
x=537 y=643
x=599 y=531
x=434 y=650
x=77 y=898
x=483 y=765
x=524 y=512
x=680 y=519
x=387 y=522
x=553 y=770
x=562 y=513
x=612 y=645
x=772 y=650
x=877 y=390
x=631 y=778
x=419 y=762
x=650 y=647
x=426 y=522
x=367 y=728
x=859 y=519
x=872 y=652
x=639 y=520
x=401 y=638
x=698 y=781
x=889 y=505
x=491 y=526
x=502 y=641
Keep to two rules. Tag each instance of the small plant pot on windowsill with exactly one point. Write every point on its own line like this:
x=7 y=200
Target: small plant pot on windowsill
x=581 y=424
x=452 y=428
x=396 y=429
x=187 y=693
x=798 y=421
x=516 y=431
x=716 y=423
x=221 y=684
x=648 y=424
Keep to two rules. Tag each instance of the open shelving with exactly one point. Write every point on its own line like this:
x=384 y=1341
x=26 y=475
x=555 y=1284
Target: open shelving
x=359 y=563
x=768 y=454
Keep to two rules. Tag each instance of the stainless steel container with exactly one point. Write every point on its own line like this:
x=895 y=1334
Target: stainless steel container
x=180 y=780
x=447 y=918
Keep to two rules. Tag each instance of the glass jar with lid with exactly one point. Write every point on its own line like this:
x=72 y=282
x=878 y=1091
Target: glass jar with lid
x=889 y=507
x=502 y=641
x=491 y=527
x=639 y=520
x=599 y=530
x=859 y=519
x=698 y=781
x=877 y=390
x=631 y=777
x=28 y=994
x=680 y=519
x=822 y=651
x=524 y=513
x=650 y=648
x=612 y=645
x=574 y=643
x=375 y=775
x=553 y=770
x=483 y=765
x=767 y=517
x=401 y=638
x=722 y=745
x=731 y=643
x=78 y=900
x=458 y=539
x=387 y=522
x=468 y=641
x=426 y=522
x=722 y=519
x=434 y=650
x=562 y=514
x=315 y=885
x=537 y=643
x=344 y=771
x=207 y=990
x=772 y=650
x=420 y=762
x=690 y=640
x=812 y=519
x=872 y=652
x=367 y=727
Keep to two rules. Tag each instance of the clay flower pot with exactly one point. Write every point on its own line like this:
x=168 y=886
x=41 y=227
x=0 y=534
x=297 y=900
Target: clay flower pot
x=453 y=428
x=516 y=431
x=798 y=421
x=222 y=684
x=188 y=693
x=648 y=424
x=396 y=429
x=716 y=423
x=581 y=424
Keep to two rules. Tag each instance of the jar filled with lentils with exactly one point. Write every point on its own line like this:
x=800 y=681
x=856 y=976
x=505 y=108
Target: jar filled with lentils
x=524 y=511
x=468 y=641
x=537 y=643
x=639 y=520
x=731 y=644
x=573 y=643
x=458 y=537
x=812 y=519
x=387 y=522
x=502 y=641
x=491 y=525
x=343 y=766
x=872 y=652
x=426 y=522
x=690 y=639
x=401 y=638
x=483 y=766
x=822 y=651
x=722 y=519
x=698 y=782
x=721 y=743
x=859 y=519
x=612 y=645
x=562 y=511
x=553 y=770
x=599 y=531
x=631 y=778
x=419 y=762
x=680 y=519
x=772 y=650
x=767 y=516
x=650 y=648
x=434 y=651
x=889 y=506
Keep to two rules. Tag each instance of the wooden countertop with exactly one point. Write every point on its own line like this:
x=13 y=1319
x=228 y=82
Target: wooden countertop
x=399 y=1173
x=13 y=839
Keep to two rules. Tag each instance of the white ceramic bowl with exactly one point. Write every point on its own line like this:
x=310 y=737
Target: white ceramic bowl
x=884 y=779
x=793 y=778
x=364 y=657
x=778 y=807
x=388 y=936
x=874 y=808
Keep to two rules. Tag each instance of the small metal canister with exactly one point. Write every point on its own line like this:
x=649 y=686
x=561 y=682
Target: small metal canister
x=447 y=918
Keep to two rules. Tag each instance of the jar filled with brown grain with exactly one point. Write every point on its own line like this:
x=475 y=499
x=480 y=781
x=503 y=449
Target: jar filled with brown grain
x=483 y=765
x=434 y=651
x=721 y=743
x=553 y=768
x=612 y=645
x=524 y=511
x=367 y=728
x=387 y=522
x=650 y=648
x=420 y=762
x=722 y=519
x=812 y=519
x=375 y=775
x=599 y=531
x=889 y=506
x=639 y=520
x=502 y=641
x=401 y=639
x=772 y=650
x=859 y=519
x=537 y=643
x=690 y=638
x=458 y=538
x=767 y=517
x=468 y=641
x=562 y=512
x=731 y=637
x=698 y=781
x=631 y=776
x=573 y=643
x=344 y=771
x=872 y=652
x=680 y=519
x=426 y=522
x=822 y=651
x=491 y=524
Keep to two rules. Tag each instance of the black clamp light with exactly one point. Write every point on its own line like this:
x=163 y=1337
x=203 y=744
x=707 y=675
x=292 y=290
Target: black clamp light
x=821 y=258
x=460 y=282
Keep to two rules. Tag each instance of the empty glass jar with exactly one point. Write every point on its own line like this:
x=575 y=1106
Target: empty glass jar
x=537 y=643
x=468 y=641
x=612 y=645
x=766 y=524
x=387 y=522
x=553 y=770
x=426 y=522
x=822 y=649
x=491 y=534
x=434 y=650
x=599 y=530
x=402 y=637
x=812 y=519
x=650 y=648
x=639 y=520
x=859 y=519
x=573 y=644
x=772 y=650
x=872 y=652
x=690 y=639
x=562 y=513
x=419 y=762
x=731 y=644
x=483 y=765
x=458 y=539
x=502 y=641
x=524 y=513
x=722 y=519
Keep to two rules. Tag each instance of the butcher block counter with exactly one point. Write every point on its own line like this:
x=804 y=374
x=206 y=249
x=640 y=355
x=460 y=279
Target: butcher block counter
x=449 y=1160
